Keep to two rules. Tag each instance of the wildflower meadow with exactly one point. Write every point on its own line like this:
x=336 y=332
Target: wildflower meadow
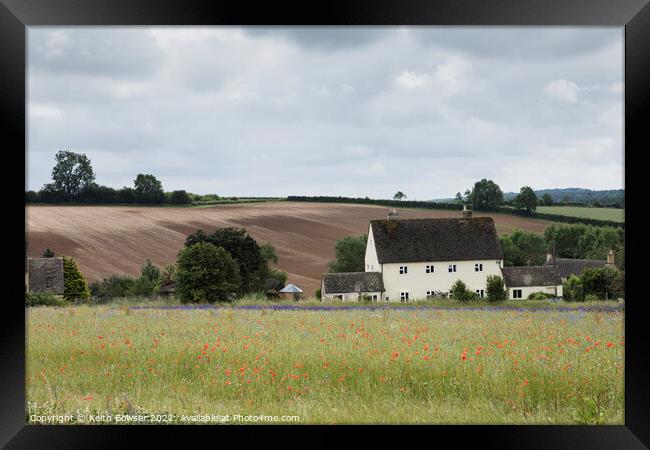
x=441 y=366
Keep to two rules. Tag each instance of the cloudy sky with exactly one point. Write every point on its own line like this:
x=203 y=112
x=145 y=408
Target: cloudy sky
x=362 y=111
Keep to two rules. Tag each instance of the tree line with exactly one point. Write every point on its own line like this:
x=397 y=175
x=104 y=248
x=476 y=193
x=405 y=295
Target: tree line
x=73 y=181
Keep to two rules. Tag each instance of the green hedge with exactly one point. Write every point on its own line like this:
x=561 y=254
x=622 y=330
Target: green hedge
x=454 y=207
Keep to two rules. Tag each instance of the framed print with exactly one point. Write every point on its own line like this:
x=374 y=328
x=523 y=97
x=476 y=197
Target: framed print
x=363 y=214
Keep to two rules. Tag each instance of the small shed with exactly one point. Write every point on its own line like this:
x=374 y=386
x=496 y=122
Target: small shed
x=291 y=291
x=45 y=275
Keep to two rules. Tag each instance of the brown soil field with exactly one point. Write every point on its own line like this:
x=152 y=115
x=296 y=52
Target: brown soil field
x=108 y=240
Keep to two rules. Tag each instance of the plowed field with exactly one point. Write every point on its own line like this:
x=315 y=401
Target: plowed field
x=107 y=240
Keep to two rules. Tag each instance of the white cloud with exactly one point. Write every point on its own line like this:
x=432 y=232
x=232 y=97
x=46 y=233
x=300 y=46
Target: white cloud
x=412 y=80
x=563 y=90
x=44 y=111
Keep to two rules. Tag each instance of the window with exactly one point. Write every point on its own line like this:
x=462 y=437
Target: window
x=430 y=294
x=516 y=293
x=339 y=297
x=480 y=293
x=403 y=270
x=373 y=298
x=387 y=298
x=452 y=267
x=429 y=269
x=478 y=267
x=404 y=296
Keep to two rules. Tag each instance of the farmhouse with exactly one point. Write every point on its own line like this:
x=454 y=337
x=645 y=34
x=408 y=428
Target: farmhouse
x=421 y=258
x=525 y=280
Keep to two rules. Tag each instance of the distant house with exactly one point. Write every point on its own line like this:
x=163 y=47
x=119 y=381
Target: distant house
x=568 y=266
x=45 y=275
x=525 y=280
x=291 y=291
x=352 y=285
x=422 y=258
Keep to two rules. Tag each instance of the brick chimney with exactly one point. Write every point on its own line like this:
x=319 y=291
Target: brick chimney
x=610 y=258
x=467 y=213
x=392 y=214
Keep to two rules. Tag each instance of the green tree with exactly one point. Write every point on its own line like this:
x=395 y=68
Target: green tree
x=179 y=198
x=399 y=196
x=521 y=248
x=599 y=281
x=547 y=200
x=48 y=253
x=460 y=292
x=495 y=288
x=168 y=276
x=526 y=199
x=350 y=254
x=485 y=194
x=72 y=174
x=206 y=273
x=572 y=289
x=148 y=189
x=243 y=248
x=150 y=272
x=74 y=283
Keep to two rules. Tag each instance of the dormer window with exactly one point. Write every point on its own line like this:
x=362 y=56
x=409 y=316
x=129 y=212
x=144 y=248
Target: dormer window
x=403 y=270
x=429 y=269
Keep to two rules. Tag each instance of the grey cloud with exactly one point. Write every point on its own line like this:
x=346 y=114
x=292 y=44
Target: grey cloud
x=346 y=112
x=100 y=51
x=325 y=37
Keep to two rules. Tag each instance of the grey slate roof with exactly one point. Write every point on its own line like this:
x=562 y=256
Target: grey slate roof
x=340 y=283
x=526 y=276
x=46 y=275
x=567 y=266
x=421 y=240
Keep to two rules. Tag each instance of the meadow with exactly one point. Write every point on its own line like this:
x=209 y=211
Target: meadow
x=397 y=366
x=613 y=214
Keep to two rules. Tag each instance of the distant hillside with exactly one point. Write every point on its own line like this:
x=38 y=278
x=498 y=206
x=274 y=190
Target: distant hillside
x=578 y=195
x=571 y=195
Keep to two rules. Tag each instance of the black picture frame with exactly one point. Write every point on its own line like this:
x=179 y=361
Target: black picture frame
x=634 y=15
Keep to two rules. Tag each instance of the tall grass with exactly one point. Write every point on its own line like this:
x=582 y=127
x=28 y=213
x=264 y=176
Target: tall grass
x=388 y=366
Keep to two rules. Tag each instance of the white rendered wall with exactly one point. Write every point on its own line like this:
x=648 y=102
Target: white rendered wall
x=417 y=282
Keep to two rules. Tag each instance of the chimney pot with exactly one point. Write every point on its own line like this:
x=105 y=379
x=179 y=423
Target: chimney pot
x=610 y=258
x=467 y=213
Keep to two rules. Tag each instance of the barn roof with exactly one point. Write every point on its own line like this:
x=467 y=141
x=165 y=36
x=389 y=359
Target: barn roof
x=526 y=276
x=421 y=240
x=46 y=275
x=567 y=266
x=291 y=288
x=338 y=283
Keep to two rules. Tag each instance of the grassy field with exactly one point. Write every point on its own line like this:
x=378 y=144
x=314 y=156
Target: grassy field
x=358 y=366
x=613 y=214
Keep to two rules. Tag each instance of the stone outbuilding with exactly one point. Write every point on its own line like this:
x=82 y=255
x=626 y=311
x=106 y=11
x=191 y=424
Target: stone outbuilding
x=45 y=275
